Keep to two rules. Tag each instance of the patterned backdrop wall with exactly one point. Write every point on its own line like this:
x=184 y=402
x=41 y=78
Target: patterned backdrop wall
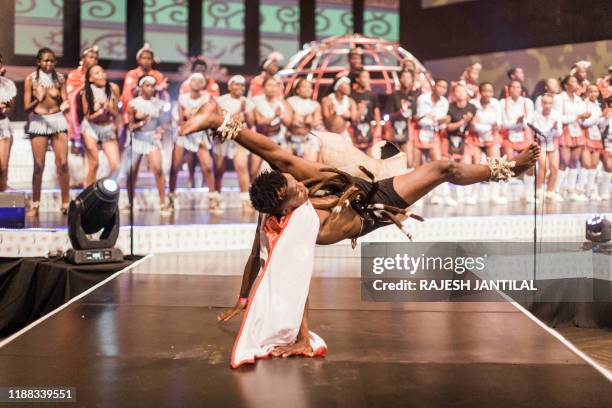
x=103 y=23
x=381 y=19
x=538 y=63
x=279 y=25
x=165 y=28
x=223 y=30
x=38 y=23
x=438 y=3
x=333 y=17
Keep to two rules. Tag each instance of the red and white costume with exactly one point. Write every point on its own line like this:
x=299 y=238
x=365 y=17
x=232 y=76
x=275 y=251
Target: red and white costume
x=482 y=133
x=516 y=136
x=428 y=132
x=570 y=107
x=591 y=125
x=276 y=303
x=551 y=128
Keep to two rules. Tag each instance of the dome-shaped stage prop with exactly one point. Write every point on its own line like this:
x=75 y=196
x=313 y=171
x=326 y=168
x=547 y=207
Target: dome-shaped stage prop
x=321 y=61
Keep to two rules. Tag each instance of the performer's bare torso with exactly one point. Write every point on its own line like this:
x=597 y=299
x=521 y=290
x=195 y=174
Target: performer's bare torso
x=345 y=225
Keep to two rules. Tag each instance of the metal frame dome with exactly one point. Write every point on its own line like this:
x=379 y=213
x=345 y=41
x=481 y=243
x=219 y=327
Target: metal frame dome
x=321 y=61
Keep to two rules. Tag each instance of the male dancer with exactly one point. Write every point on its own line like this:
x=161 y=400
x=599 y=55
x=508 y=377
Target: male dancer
x=350 y=212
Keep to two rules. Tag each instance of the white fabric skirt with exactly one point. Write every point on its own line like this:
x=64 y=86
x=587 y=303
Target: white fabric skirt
x=193 y=141
x=144 y=142
x=47 y=125
x=5 y=129
x=100 y=133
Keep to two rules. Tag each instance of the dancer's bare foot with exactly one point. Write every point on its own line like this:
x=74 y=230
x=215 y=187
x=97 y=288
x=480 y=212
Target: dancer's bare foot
x=526 y=159
x=207 y=117
x=299 y=348
x=230 y=313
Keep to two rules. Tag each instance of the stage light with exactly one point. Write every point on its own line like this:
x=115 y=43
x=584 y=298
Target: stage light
x=94 y=211
x=598 y=229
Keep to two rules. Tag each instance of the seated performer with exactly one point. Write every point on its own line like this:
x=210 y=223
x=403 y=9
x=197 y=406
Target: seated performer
x=347 y=207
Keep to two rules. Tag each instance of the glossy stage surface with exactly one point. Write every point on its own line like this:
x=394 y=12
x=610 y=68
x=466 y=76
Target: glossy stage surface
x=150 y=338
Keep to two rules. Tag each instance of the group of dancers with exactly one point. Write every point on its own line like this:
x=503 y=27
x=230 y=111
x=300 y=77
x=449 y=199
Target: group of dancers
x=422 y=117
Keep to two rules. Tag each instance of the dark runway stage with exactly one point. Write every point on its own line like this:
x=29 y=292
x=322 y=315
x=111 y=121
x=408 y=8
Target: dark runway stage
x=151 y=339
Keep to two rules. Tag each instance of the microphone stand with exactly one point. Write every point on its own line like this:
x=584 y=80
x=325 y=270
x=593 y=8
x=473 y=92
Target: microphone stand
x=131 y=187
x=540 y=136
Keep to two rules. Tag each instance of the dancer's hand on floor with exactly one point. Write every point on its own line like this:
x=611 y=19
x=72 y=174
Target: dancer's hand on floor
x=230 y=313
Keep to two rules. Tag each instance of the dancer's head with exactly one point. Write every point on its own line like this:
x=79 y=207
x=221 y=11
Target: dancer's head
x=145 y=57
x=147 y=83
x=406 y=79
x=89 y=57
x=569 y=84
x=581 y=70
x=515 y=89
x=96 y=75
x=486 y=91
x=547 y=103
x=342 y=85
x=552 y=85
x=196 y=82
x=472 y=73
x=199 y=66
x=277 y=193
x=236 y=86
x=460 y=93
x=303 y=88
x=271 y=64
x=516 y=74
x=441 y=87
x=45 y=59
x=592 y=93
x=362 y=79
x=355 y=58
x=270 y=86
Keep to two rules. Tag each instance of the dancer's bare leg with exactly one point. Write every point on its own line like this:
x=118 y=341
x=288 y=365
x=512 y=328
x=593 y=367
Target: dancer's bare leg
x=177 y=159
x=111 y=150
x=414 y=185
x=91 y=153
x=206 y=164
x=59 y=144
x=155 y=163
x=5 y=153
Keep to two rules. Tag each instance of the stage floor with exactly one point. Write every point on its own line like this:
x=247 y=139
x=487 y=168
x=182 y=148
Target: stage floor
x=149 y=339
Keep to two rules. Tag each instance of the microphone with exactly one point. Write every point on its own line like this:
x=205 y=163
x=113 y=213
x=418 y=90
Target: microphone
x=538 y=133
x=535 y=130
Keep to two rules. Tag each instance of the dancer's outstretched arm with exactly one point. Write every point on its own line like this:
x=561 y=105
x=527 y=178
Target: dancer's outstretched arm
x=279 y=159
x=251 y=270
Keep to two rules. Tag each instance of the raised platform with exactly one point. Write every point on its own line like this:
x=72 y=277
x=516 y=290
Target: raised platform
x=196 y=230
x=146 y=345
